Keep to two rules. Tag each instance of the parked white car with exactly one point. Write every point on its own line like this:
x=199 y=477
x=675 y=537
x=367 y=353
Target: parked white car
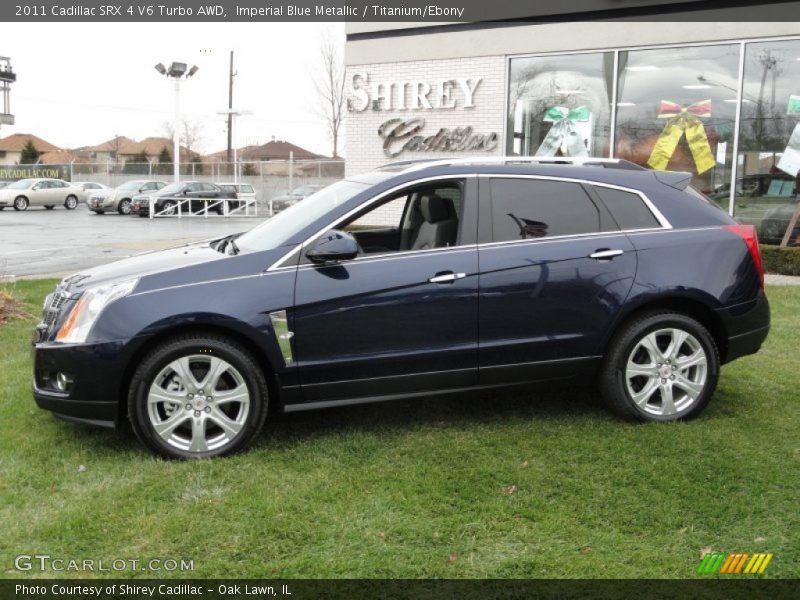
x=243 y=191
x=40 y=192
x=89 y=187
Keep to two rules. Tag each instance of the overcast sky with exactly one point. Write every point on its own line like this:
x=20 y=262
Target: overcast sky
x=80 y=84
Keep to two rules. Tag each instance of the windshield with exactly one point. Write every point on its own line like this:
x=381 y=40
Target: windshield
x=131 y=185
x=278 y=230
x=22 y=184
x=172 y=188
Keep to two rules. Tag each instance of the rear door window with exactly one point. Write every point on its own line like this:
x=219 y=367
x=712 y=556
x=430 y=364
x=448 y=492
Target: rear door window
x=534 y=208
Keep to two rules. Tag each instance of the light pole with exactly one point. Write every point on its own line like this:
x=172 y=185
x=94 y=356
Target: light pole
x=176 y=72
x=234 y=112
x=7 y=77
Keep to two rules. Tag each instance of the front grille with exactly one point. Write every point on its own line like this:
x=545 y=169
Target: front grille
x=55 y=302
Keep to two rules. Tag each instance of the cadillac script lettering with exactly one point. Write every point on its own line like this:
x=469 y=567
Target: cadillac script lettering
x=405 y=136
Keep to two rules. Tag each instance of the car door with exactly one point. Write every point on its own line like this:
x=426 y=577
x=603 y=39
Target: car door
x=392 y=322
x=43 y=194
x=555 y=269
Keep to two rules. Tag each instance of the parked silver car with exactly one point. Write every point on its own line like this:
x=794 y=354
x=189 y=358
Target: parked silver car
x=119 y=199
x=40 y=192
x=284 y=201
x=89 y=188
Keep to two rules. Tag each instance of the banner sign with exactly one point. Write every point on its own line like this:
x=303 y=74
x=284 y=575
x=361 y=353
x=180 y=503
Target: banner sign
x=17 y=172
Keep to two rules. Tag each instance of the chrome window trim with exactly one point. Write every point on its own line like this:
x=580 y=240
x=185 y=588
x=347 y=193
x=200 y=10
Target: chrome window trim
x=278 y=264
x=665 y=224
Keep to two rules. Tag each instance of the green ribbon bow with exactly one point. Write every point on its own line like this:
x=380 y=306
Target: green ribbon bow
x=557 y=113
x=563 y=134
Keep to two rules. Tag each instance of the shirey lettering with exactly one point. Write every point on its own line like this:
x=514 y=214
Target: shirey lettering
x=400 y=136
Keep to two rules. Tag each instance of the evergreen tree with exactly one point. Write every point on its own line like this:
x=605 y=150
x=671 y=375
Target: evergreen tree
x=30 y=155
x=164 y=161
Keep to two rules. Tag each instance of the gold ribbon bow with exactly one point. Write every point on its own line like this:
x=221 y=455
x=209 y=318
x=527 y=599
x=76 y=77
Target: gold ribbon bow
x=683 y=120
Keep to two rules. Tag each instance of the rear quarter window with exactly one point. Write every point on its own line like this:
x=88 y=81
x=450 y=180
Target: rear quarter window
x=627 y=208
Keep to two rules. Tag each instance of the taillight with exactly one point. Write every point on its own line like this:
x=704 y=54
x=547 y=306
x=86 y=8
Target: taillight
x=748 y=234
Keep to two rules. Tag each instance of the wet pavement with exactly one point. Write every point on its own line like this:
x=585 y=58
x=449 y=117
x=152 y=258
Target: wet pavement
x=40 y=243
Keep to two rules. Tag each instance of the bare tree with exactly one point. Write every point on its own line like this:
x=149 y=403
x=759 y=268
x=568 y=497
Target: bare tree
x=190 y=135
x=330 y=83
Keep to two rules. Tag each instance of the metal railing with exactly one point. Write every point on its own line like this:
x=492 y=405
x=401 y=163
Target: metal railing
x=178 y=210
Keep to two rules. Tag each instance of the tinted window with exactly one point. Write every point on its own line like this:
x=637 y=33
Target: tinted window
x=627 y=208
x=526 y=209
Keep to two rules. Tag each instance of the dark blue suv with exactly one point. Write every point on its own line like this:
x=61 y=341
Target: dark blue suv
x=412 y=279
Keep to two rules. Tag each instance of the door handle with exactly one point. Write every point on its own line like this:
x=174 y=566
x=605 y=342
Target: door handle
x=446 y=277
x=605 y=254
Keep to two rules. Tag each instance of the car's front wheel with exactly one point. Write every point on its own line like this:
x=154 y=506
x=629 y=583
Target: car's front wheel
x=662 y=366
x=124 y=207
x=197 y=396
x=170 y=207
x=20 y=203
x=71 y=203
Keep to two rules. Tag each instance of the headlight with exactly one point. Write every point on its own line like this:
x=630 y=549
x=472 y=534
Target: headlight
x=76 y=328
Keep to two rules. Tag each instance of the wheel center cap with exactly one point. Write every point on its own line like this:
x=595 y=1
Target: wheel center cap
x=665 y=371
x=199 y=402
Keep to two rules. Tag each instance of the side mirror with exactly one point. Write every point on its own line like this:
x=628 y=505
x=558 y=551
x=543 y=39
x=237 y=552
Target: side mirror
x=332 y=247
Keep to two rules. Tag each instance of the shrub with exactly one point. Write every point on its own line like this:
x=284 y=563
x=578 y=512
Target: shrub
x=783 y=261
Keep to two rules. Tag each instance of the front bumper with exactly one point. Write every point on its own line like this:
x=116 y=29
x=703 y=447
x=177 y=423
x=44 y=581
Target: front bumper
x=93 y=393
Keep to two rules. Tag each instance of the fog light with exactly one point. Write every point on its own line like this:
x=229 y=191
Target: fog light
x=63 y=382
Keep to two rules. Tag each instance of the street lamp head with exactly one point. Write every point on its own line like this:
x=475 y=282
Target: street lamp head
x=177 y=69
x=161 y=68
x=192 y=71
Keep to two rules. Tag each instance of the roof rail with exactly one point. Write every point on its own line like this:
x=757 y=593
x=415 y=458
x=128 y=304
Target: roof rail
x=609 y=163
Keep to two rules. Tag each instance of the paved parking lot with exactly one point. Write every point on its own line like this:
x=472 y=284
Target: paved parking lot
x=38 y=243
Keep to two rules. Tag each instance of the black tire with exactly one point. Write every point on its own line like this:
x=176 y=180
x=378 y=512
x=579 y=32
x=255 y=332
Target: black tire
x=21 y=203
x=49 y=206
x=198 y=346
x=169 y=207
x=124 y=206
x=71 y=203
x=2 y=207
x=616 y=388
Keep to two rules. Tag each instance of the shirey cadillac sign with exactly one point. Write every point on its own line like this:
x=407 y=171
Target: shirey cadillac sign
x=16 y=172
x=408 y=134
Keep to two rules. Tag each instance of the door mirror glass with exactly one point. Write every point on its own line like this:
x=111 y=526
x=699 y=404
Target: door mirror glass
x=333 y=246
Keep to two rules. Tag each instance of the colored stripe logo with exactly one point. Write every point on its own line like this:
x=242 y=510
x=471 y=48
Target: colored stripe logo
x=734 y=563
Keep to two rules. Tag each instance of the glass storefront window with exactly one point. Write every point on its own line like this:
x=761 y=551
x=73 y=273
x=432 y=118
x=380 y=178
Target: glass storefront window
x=560 y=105
x=769 y=140
x=676 y=110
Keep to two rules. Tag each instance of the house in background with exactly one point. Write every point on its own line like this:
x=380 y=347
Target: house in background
x=11 y=147
x=109 y=150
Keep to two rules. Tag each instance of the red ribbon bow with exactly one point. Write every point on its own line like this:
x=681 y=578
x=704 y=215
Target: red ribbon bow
x=668 y=110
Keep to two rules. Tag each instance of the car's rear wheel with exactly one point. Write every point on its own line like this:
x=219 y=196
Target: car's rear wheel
x=662 y=366
x=71 y=203
x=124 y=207
x=49 y=206
x=197 y=396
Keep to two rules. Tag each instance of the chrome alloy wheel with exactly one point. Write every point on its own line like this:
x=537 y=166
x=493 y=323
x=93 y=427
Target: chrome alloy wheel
x=666 y=372
x=198 y=403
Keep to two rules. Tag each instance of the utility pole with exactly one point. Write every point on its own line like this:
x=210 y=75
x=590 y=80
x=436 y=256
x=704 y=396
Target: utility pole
x=230 y=108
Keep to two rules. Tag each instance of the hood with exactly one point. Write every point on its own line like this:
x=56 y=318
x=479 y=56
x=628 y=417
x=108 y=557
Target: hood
x=144 y=264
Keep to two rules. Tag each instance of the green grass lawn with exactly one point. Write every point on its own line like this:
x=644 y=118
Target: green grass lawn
x=522 y=485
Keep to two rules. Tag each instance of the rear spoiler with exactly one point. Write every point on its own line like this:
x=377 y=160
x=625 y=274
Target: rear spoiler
x=679 y=180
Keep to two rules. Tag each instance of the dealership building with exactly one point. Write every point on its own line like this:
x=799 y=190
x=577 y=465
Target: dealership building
x=717 y=98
